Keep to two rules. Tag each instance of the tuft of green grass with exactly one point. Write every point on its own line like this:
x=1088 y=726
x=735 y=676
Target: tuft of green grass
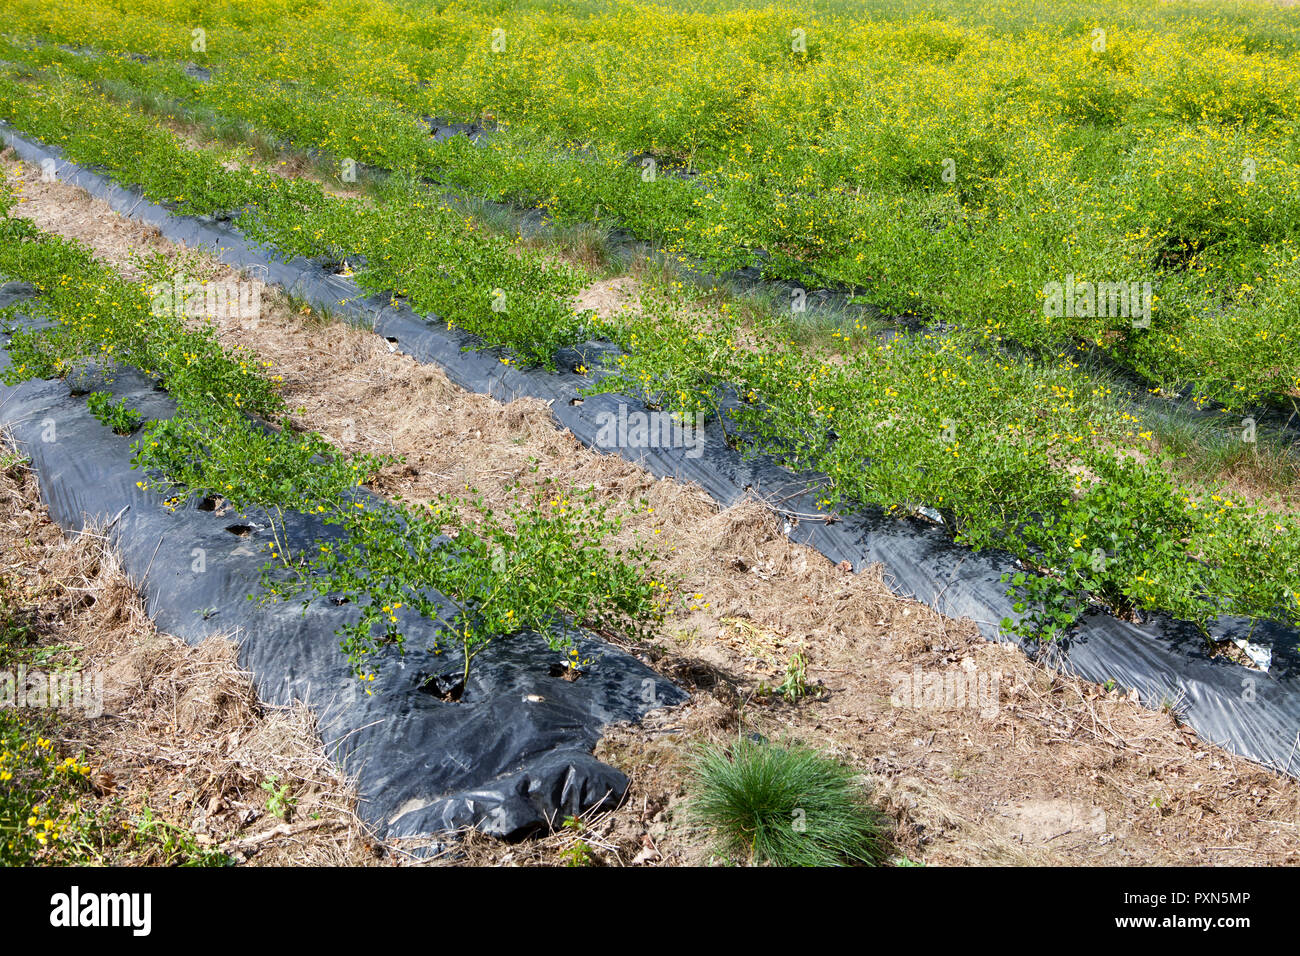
x=782 y=805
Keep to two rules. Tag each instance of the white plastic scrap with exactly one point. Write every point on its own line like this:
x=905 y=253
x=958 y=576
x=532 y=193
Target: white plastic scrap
x=1261 y=656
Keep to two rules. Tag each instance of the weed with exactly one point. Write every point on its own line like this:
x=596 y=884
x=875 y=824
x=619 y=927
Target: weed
x=783 y=805
x=578 y=852
x=795 y=685
x=279 y=803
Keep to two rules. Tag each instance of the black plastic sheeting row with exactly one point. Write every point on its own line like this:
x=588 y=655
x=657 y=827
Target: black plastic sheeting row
x=1251 y=712
x=513 y=755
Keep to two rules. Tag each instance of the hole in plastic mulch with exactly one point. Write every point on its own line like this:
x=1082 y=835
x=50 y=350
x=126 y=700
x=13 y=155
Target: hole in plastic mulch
x=448 y=687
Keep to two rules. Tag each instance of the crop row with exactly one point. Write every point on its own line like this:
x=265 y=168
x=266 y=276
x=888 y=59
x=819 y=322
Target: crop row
x=1034 y=457
x=941 y=168
x=539 y=565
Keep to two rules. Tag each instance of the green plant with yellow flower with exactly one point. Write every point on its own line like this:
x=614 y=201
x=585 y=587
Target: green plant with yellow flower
x=540 y=564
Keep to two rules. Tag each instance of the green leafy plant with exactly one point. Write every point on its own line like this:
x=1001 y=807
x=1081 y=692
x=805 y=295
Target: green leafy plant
x=217 y=453
x=38 y=789
x=1048 y=608
x=1036 y=458
x=116 y=415
x=279 y=802
x=540 y=566
x=578 y=852
x=162 y=843
x=795 y=685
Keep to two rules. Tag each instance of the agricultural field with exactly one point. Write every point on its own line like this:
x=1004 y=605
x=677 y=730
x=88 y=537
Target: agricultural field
x=733 y=373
